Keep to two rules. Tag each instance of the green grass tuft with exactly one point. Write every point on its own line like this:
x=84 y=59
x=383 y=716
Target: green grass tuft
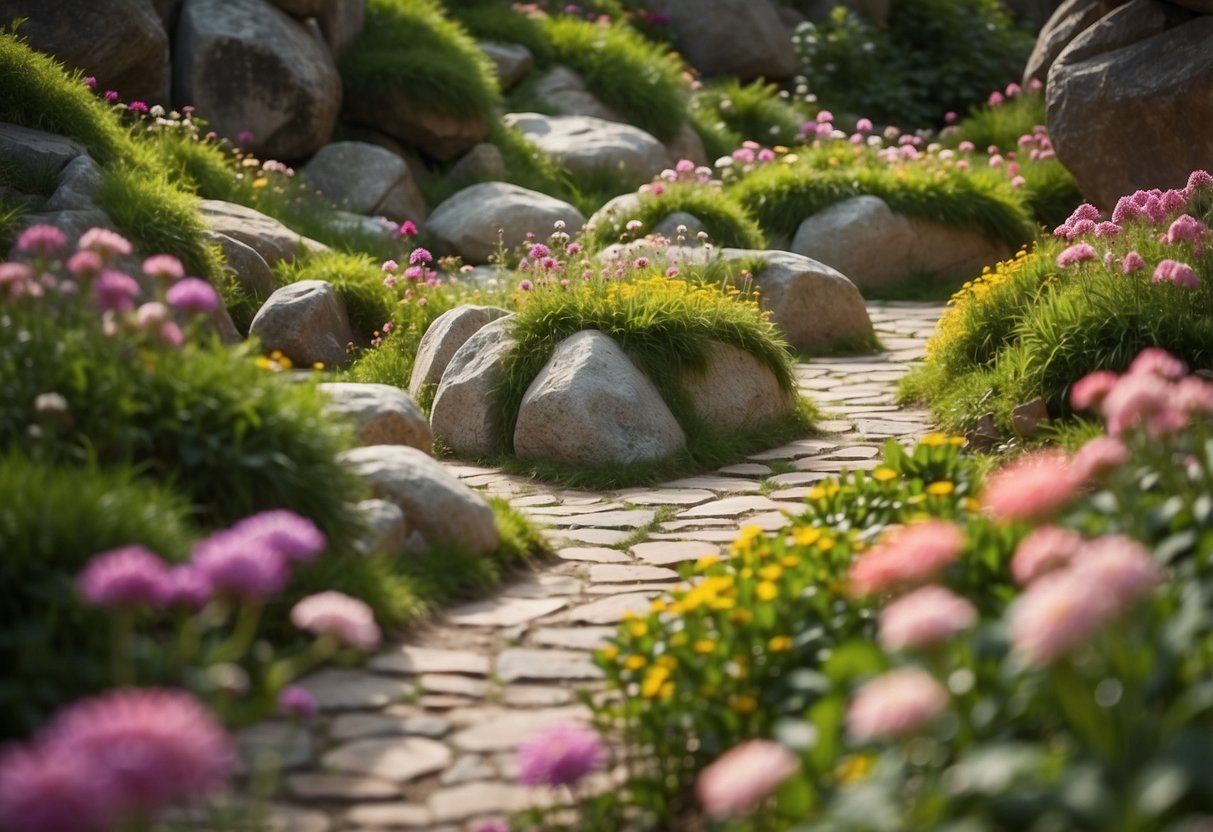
x=727 y=223
x=357 y=280
x=737 y=112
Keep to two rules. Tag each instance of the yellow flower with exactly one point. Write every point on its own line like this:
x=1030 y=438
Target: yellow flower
x=772 y=572
x=679 y=639
x=722 y=603
x=704 y=646
x=767 y=591
x=653 y=681
x=638 y=629
x=957 y=441
x=667 y=690
x=741 y=616
x=816 y=493
x=942 y=488
x=883 y=474
x=706 y=562
x=790 y=561
x=318 y=365
x=743 y=704
x=826 y=544
x=854 y=768
x=668 y=662
x=746 y=537
x=934 y=440
x=971 y=504
x=806 y=536
x=628 y=615
x=780 y=644
x=634 y=662
x=609 y=653
x=658 y=605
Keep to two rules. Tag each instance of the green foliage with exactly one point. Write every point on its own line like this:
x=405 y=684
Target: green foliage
x=412 y=49
x=52 y=519
x=738 y=112
x=501 y=22
x=357 y=280
x=724 y=220
x=781 y=196
x=913 y=72
x=627 y=73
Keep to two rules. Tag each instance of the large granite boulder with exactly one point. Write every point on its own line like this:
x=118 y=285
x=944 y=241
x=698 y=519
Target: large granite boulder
x=877 y=248
x=1130 y=100
x=468 y=223
x=735 y=391
x=34 y=154
x=586 y=145
x=745 y=38
x=265 y=235
x=306 y=322
x=433 y=500
x=366 y=179
x=341 y=23
x=248 y=267
x=1068 y=21
x=380 y=413
x=590 y=405
x=122 y=43
x=462 y=415
x=77 y=187
x=248 y=66
x=511 y=62
x=564 y=91
x=442 y=340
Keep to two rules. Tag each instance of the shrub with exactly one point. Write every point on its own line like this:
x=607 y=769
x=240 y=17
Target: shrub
x=737 y=112
x=724 y=220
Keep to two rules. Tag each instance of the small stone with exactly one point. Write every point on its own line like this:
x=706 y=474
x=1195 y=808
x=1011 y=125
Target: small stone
x=726 y=484
x=336 y=689
x=666 y=552
x=596 y=537
x=520 y=663
x=451 y=684
x=745 y=469
x=390 y=815
x=1027 y=418
x=509 y=730
x=668 y=497
x=593 y=554
x=359 y=726
x=610 y=573
x=503 y=612
x=535 y=696
x=409 y=659
x=467 y=769
x=472 y=799
x=543 y=586
x=611 y=610
x=396 y=759
x=576 y=638
x=340 y=787
x=730 y=507
x=633 y=519
x=294 y=819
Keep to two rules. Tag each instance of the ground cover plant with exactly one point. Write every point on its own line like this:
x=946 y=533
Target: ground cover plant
x=1090 y=298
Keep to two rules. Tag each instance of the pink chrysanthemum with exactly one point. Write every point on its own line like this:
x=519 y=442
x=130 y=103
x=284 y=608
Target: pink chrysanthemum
x=1156 y=361
x=1075 y=254
x=159 y=744
x=741 y=778
x=408 y=228
x=164 y=266
x=193 y=294
x=1117 y=567
x=1133 y=262
x=104 y=242
x=896 y=704
x=420 y=255
x=925 y=617
x=346 y=620
x=233 y=566
x=127 y=577
x=560 y=756
x=1092 y=388
x=1194 y=395
x=295 y=537
x=41 y=239
x=1107 y=229
x=1030 y=488
x=1099 y=456
x=1058 y=612
x=1045 y=549
x=907 y=556
x=1142 y=400
x=114 y=291
x=54 y=789
x=189 y=586
x=297 y=703
x=1173 y=271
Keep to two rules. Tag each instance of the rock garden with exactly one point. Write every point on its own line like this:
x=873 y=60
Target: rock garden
x=485 y=416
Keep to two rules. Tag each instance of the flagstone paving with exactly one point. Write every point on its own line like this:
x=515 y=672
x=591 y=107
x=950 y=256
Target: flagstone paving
x=423 y=736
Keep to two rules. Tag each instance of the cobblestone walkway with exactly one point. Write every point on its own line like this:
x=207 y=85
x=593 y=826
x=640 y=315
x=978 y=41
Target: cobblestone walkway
x=423 y=736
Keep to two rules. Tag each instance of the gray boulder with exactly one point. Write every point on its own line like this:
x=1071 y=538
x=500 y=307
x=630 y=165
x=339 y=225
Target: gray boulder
x=686 y=144
x=301 y=8
x=467 y=223
x=442 y=340
x=586 y=145
x=307 y=322
x=590 y=405
x=249 y=66
x=735 y=391
x=745 y=38
x=380 y=413
x=483 y=163
x=563 y=90
x=366 y=179
x=248 y=267
x=462 y=415
x=122 y=43
x=1066 y=23
x=77 y=186
x=1130 y=100
x=341 y=23
x=34 y=154
x=511 y=61
x=384 y=528
x=264 y=234
x=434 y=501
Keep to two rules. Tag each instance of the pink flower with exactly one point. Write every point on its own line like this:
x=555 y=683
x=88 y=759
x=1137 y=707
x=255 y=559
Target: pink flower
x=41 y=239
x=389 y=266
x=525 y=286
x=193 y=294
x=572 y=248
x=1032 y=487
x=923 y=618
x=1118 y=568
x=1142 y=400
x=233 y=566
x=1092 y=388
x=1013 y=90
x=1198 y=180
x=420 y=255
x=1046 y=548
x=127 y=577
x=54 y=789
x=896 y=704
x=824 y=116
x=160 y=745
x=110 y=96
x=1058 y=612
x=493 y=826
x=1158 y=362
x=742 y=777
x=863 y=125
x=297 y=703
x=1099 y=456
x=294 y=537
x=346 y=620
x=1075 y=254
x=1133 y=262
x=539 y=251
x=1186 y=229
x=1194 y=395
x=104 y=242
x=950 y=117
x=1107 y=229
x=1085 y=211
x=115 y=291
x=170 y=334
x=966 y=146
x=90 y=81
x=906 y=556
x=244 y=138
x=408 y=228
x=164 y=266
x=1180 y=274
x=151 y=314
x=189 y=586
x=560 y=756
x=137 y=107
x=996 y=99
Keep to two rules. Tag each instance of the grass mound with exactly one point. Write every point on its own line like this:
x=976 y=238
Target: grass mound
x=728 y=112
x=356 y=278
x=726 y=222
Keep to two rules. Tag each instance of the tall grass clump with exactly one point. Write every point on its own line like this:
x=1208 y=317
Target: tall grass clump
x=733 y=112
x=356 y=278
x=724 y=220
x=500 y=22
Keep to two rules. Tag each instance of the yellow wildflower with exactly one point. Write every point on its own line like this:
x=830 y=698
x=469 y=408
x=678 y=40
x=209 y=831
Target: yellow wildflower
x=854 y=768
x=638 y=629
x=780 y=644
x=609 y=653
x=668 y=662
x=934 y=440
x=634 y=662
x=771 y=573
x=653 y=681
x=767 y=591
x=743 y=704
x=658 y=605
x=883 y=474
x=704 y=646
x=741 y=616
x=806 y=536
x=790 y=561
x=942 y=488
x=706 y=562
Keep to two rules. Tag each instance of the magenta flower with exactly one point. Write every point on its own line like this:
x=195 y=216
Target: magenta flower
x=193 y=294
x=1180 y=274
x=90 y=81
x=54 y=789
x=896 y=704
x=1198 y=180
x=408 y=228
x=1045 y=549
x=863 y=125
x=105 y=242
x=84 y=264
x=560 y=756
x=1186 y=229
x=241 y=568
x=244 y=138
x=110 y=96
x=908 y=555
x=346 y=620
x=1107 y=229
x=1133 y=262
x=297 y=703
x=420 y=255
x=115 y=291
x=1099 y=456
x=128 y=577
x=824 y=117
x=996 y=99
x=539 y=250
x=159 y=744
x=165 y=267
x=924 y=618
x=1032 y=487
x=525 y=286
x=189 y=586
x=294 y=537
x=41 y=239
x=137 y=107
x=389 y=266
x=741 y=778
x=1075 y=254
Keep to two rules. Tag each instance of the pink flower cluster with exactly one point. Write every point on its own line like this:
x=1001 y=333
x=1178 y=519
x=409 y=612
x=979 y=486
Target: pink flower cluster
x=1154 y=395
x=687 y=171
x=560 y=756
x=1033 y=487
x=899 y=703
x=343 y=619
x=907 y=556
x=740 y=779
x=123 y=756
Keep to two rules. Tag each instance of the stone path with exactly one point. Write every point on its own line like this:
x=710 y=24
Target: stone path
x=423 y=736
